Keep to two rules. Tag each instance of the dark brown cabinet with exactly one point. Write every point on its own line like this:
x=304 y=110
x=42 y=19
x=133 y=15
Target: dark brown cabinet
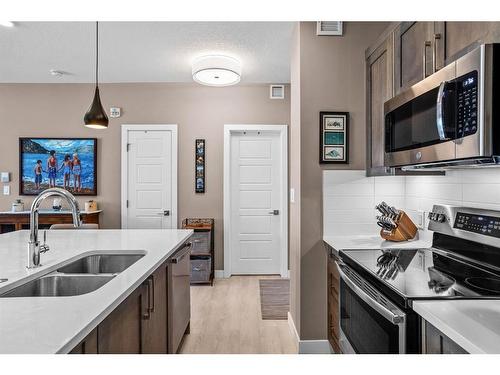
x=154 y=322
x=87 y=345
x=436 y=342
x=379 y=86
x=460 y=35
x=121 y=331
x=153 y=318
x=414 y=55
x=333 y=303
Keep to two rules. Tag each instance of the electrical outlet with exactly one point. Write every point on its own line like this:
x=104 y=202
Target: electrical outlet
x=6 y=190
x=420 y=219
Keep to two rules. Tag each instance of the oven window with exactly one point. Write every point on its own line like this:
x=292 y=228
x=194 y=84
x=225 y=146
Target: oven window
x=367 y=331
x=413 y=125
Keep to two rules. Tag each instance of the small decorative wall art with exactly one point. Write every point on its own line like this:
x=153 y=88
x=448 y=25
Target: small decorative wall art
x=334 y=137
x=199 y=166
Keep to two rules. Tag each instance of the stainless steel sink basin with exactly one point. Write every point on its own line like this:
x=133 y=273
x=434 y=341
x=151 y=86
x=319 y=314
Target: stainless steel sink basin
x=102 y=263
x=57 y=285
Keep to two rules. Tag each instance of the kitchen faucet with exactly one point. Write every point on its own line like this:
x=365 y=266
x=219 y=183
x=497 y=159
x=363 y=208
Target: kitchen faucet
x=34 y=247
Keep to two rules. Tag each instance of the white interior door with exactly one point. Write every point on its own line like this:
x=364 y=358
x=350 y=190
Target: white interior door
x=256 y=212
x=151 y=179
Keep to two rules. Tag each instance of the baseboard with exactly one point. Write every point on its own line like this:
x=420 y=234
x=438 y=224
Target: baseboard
x=315 y=347
x=294 y=332
x=219 y=274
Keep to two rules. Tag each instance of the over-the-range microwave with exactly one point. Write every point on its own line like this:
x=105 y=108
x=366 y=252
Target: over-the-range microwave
x=451 y=118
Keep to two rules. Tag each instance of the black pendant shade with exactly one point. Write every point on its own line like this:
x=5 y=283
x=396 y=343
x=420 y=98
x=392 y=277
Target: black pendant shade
x=96 y=117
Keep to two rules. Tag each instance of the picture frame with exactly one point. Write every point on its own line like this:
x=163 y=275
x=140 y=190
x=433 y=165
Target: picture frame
x=334 y=137
x=39 y=171
x=199 y=169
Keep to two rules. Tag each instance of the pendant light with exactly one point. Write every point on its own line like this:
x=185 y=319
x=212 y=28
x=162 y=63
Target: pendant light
x=96 y=117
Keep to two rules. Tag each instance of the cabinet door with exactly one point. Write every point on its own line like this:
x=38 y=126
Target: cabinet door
x=413 y=53
x=120 y=332
x=460 y=35
x=379 y=86
x=88 y=345
x=154 y=323
x=333 y=305
x=437 y=342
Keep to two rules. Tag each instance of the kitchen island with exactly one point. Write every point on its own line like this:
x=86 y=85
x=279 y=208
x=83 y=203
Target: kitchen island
x=59 y=324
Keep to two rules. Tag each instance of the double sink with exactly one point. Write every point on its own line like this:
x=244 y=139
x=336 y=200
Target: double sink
x=81 y=276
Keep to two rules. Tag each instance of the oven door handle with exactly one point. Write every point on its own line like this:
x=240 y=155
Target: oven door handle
x=382 y=310
x=440 y=112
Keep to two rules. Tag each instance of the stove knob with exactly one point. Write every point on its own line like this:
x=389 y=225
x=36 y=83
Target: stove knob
x=440 y=218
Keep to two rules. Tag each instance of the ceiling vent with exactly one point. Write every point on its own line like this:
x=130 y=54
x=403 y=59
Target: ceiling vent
x=329 y=28
x=277 y=92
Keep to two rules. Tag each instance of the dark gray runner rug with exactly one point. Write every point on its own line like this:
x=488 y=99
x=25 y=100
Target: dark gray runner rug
x=274 y=298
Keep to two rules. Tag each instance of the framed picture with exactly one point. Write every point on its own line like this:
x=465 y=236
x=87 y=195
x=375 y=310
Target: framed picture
x=199 y=184
x=69 y=163
x=334 y=137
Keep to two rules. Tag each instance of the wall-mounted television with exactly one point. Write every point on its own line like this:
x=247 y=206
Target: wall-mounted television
x=69 y=163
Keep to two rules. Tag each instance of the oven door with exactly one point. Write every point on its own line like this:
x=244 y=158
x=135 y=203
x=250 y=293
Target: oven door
x=420 y=124
x=369 y=322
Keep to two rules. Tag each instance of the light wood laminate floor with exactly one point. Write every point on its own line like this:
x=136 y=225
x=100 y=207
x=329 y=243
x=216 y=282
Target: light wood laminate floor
x=226 y=319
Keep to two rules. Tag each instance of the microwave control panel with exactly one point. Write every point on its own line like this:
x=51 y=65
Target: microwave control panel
x=467 y=106
x=482 y=224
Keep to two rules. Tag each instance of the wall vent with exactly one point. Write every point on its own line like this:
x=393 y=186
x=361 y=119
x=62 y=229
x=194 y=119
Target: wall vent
x=277 y=92
x=329 y=28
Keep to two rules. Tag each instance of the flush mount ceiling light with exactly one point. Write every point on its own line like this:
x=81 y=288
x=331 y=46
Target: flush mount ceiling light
x=216 y=70
x=96 y=117
x=7 y=23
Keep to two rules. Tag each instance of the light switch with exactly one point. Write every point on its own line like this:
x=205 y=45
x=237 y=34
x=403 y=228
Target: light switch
x=4 y=177
x=6 y=190
x=292 y=195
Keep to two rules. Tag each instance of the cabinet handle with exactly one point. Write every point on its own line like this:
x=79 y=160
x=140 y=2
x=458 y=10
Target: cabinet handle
x=149 y=282
x=434 y=53
x=181 y=255
x=147 y=315
x=152 y=299
x=427 y=44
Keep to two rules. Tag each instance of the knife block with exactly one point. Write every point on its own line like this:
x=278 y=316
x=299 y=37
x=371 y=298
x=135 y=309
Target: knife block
x=404 y=231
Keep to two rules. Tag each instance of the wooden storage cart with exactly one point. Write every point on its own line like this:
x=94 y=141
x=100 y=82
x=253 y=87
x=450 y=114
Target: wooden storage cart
x=202 y=250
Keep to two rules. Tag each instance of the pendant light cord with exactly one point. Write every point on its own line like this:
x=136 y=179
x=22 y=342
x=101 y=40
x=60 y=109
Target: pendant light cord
x=97 y=53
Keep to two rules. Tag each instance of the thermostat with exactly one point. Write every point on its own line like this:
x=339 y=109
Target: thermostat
x=115 y=112
x=4 y=177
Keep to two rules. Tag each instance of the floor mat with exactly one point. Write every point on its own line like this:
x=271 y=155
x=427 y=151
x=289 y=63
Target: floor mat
x=274 y=298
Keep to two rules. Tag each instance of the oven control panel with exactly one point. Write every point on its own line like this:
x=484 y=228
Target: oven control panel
x=467 y=104
x=482 y=224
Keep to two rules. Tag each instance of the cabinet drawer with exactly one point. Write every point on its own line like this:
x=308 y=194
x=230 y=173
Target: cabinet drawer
x=201 y=268
x=201 y=243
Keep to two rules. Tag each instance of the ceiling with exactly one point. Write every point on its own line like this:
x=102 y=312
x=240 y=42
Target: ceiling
x=141 y=51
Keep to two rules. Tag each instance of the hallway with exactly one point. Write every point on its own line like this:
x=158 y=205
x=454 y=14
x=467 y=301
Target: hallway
x=226 y=318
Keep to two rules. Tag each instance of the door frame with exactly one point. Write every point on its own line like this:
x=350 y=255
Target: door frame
x=282 y=130
x=124 y=166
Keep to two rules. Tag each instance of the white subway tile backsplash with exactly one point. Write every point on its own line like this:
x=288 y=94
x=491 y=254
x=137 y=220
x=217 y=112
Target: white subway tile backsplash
x=346 y=190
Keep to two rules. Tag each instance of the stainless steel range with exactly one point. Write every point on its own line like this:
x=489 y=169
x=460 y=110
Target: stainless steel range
x=378 y=287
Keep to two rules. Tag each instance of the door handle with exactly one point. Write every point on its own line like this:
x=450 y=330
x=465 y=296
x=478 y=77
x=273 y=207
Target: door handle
x=164 y=213
x=274 y=212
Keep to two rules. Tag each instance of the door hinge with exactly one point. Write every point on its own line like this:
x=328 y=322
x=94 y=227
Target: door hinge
x=126 y=203
x=128 y=147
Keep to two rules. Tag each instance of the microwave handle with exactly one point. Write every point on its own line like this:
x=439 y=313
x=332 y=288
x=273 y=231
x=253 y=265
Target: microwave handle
x=440 y=112
x=386 y=313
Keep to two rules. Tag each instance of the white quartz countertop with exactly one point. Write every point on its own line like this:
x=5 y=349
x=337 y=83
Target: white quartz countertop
x=472 y=324
x=57 y=324
x=374 y=241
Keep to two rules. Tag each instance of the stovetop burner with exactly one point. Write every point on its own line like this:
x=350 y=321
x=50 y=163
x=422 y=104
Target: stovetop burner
x=485 y=283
